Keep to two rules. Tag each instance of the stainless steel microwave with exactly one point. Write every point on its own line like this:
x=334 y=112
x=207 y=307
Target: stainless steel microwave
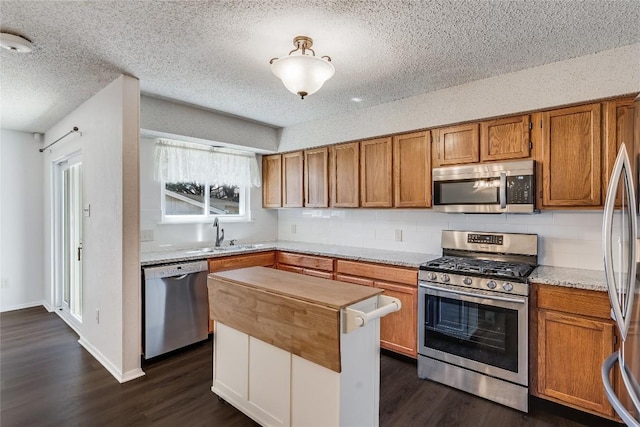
x=485 y=188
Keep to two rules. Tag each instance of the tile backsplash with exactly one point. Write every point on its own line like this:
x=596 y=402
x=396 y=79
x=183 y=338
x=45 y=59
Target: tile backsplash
x=565 y=239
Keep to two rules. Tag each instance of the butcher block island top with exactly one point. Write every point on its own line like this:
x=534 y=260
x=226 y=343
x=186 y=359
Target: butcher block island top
x=297 y=313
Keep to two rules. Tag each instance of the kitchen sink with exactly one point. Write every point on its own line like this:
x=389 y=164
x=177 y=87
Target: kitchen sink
x=222 y=249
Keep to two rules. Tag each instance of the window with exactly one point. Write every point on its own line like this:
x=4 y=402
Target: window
x=183 y=201
x=200 y=182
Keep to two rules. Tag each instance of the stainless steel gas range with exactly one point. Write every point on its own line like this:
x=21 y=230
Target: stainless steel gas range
x=473 y=315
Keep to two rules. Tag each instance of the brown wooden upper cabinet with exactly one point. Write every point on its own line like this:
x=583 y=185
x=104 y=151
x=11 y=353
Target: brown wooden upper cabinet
x=292 y=196
x=412 y=170
x=344 y=173
x=375 y=173
x=316 y=183
x=505 y=139
x=619 y=126
x=571 y=157
x=455 y=145
x=272 y=181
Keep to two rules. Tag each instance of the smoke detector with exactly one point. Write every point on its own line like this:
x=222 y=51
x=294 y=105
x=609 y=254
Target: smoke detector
x=15 y=43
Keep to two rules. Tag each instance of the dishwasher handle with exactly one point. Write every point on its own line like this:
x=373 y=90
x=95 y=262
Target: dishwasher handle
x=356 y=319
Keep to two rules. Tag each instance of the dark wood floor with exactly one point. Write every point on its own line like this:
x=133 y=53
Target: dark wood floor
x=49 y=379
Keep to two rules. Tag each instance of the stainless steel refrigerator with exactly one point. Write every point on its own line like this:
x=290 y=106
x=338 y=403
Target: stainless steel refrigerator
x=619 y=235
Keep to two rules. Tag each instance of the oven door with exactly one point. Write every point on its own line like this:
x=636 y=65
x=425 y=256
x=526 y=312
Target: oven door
x=479 y=331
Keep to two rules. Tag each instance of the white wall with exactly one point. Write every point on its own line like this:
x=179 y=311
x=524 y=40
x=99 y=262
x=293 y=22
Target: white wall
x=567 y=239
x=610 y=73
x=21 y=221
x=263 y=225
x=109 y=123
x=183 y=122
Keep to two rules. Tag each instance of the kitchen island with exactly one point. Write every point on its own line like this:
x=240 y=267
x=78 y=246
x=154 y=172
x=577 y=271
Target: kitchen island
x=297 y=350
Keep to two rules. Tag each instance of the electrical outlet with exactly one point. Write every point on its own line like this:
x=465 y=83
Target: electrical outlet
x=398 y=235
x=146 y=235
x=5 y=283
x=293 y=229
x=98 y=316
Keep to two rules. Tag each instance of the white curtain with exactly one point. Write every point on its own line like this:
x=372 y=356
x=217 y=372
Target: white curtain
x=185 y=162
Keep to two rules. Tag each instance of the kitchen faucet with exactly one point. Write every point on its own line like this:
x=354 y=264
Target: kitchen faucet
x=219 y=233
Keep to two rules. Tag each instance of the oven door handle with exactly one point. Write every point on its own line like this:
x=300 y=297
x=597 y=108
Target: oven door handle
x=503 y=190
x=441 y=291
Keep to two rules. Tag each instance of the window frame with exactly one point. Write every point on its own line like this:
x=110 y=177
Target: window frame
x=207 y=216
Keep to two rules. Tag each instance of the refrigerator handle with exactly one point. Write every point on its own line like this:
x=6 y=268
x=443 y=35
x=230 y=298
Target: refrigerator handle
x=620 y=294
x=611 y=394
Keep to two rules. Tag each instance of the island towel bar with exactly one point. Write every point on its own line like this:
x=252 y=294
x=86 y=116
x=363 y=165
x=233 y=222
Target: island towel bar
x=355 y=318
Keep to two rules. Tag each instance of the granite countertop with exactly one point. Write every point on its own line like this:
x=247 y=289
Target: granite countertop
x=593 y=280
x=381 y=256
x=548 y=275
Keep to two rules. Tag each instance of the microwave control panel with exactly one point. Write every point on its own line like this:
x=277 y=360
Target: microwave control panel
x=520 y=190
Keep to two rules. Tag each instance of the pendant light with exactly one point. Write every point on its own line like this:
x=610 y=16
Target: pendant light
x=303 y=73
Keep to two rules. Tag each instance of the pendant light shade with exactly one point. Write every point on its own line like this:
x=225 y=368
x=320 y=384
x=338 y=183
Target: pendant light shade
x=303 y=73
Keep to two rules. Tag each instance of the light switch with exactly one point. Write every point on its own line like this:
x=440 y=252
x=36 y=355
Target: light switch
x=86 y=211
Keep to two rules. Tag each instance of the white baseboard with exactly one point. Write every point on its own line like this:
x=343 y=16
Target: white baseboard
x=25 y=305
x=113 y=370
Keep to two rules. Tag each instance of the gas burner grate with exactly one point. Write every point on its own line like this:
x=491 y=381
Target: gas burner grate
x=478 y=266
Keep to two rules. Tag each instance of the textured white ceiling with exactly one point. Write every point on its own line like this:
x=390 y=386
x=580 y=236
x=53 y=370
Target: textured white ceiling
x=215 y=54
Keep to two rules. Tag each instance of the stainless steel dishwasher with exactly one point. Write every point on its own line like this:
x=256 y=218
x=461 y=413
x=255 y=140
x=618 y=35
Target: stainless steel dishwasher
x=175 y=307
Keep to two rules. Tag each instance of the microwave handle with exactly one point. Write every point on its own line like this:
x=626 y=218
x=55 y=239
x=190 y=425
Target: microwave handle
x=503 y=190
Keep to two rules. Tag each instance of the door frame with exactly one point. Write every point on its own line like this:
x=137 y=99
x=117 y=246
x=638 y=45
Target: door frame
x=58 y=165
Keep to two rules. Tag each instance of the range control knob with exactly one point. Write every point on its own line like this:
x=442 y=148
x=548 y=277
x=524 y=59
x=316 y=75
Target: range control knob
x=507 y=286
x=444 y=278
x=467 y=281
x=491 y=284
x=432 y=276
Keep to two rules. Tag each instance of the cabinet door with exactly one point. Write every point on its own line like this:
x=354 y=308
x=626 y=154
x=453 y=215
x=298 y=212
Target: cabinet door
x=457 y=145
x=292 y=180
x=571 y=169
x=270 y=382
x=570 y=354
x=412 y=170
x=505 y=139
x=272 y=181
x=619 y=126
x=375 y=173
x=316 y=185
x=231 y=362
x=398 y=331
x=344 y=175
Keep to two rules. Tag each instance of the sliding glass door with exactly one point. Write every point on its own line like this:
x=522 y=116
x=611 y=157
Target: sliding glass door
x=69 y=194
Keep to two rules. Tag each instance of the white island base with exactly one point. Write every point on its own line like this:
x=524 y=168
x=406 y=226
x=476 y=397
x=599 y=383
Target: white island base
x=277 y=388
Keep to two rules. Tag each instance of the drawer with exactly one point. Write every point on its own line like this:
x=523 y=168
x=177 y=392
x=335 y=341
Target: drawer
x=261 y=259
x=575 y=301
x=353 y=279
x=306 y=261
x=385 y=273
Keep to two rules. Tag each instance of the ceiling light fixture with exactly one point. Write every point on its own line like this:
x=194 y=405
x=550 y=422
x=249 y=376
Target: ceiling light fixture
x=300 y=72
x=15 y=43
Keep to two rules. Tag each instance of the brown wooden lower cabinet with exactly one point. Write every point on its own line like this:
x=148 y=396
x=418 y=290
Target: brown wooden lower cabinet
x=398 y=331
x=259 y=259
x=573 y=335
